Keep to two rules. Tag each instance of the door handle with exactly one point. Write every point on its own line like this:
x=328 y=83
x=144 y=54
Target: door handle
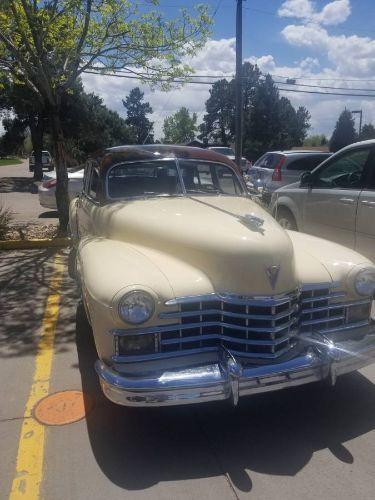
x=368 y=203
x=347 y=201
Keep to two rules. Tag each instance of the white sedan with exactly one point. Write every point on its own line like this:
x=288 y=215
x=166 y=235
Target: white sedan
x=47 y=189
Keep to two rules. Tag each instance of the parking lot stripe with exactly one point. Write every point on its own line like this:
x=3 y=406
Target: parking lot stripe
x=29 y=468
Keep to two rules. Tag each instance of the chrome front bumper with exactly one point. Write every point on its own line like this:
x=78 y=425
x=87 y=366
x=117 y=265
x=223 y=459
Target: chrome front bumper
x=228 y=379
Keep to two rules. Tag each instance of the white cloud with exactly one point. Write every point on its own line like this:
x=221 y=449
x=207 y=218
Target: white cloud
x=349 y=57
x=333 y=13
x=216 y=58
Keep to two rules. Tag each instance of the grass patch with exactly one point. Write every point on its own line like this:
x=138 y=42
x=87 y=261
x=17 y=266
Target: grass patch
x=9 y=161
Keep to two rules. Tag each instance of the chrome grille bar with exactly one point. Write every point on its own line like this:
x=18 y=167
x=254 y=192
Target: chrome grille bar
x=254 y=327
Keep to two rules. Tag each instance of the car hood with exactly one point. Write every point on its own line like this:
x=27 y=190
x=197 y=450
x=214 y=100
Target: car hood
x=211 y=235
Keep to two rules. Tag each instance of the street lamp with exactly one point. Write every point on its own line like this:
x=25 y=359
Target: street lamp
x=358 y=112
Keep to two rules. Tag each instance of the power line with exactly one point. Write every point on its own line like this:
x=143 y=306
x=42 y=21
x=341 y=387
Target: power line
x=323 y=79
x=221 y=77
x=326 y=93
x=172 y=80
x=324 y=87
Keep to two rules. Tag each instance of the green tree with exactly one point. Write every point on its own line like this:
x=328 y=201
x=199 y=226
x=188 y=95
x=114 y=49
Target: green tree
x=14 y=134
x=367 y=132
x=137 y=112
x=89 y=126
x=180 y=127
x=344 y=132
x=19 y=101
x=315 y=140
x=47 y=44
x=269 y=121
x=217 y=126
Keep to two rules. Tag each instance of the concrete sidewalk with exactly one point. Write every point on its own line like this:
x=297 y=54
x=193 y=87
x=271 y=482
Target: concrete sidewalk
x=19 y=193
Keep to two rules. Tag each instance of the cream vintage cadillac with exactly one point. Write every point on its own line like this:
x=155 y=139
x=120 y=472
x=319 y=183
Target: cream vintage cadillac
x=195 y=293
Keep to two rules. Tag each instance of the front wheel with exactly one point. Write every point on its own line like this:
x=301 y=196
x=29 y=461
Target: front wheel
x=286 y=219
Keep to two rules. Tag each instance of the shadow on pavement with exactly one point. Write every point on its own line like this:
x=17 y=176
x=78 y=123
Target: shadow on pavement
x=276 y=433
x=51 y=214
x=18 y=185
x=24 y=280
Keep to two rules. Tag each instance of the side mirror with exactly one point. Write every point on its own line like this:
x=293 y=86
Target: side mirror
x=306 y=179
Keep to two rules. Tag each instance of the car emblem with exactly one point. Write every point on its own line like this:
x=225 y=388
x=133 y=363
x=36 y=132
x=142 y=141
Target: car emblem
x=273 y=274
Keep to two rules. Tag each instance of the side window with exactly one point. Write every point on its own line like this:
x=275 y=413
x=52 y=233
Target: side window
x=370 y=177
x=345 y=172
x=94 y=184
x=227 y=182
x=306 y=164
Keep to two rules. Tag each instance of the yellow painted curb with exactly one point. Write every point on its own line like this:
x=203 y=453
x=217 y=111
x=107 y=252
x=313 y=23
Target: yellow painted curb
x=42 y=243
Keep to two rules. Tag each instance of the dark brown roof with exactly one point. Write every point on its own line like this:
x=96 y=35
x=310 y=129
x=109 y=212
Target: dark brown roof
x=156 y=151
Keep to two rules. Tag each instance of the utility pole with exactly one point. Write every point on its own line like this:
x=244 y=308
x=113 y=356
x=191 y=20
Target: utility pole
x=360 y=113
x=239 y=107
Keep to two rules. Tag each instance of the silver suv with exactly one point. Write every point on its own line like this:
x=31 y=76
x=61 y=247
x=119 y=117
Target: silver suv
x=279 y=168
x=336 y=201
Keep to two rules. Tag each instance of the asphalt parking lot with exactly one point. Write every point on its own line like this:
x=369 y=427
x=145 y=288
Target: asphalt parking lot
x=310 y=442
x=19 y=192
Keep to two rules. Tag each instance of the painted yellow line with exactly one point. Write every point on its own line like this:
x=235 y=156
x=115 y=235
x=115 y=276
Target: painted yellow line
x=29 y=468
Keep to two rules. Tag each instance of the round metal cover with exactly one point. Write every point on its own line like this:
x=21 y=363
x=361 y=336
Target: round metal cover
x=62 y=408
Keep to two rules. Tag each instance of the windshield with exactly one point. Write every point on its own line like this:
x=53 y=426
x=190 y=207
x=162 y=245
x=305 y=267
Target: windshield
x=169 y=178
x=223 y=151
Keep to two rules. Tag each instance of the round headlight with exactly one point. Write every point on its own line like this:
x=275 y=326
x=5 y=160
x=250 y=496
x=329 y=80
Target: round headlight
x=365 y=282
x=136 y=307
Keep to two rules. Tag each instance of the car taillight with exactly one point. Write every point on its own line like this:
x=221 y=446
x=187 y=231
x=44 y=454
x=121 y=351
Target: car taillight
x=276 y=176
x=49 y=184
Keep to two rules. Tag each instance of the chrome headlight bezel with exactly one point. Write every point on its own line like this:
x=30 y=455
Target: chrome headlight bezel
x=364 y=282
x=139 y=299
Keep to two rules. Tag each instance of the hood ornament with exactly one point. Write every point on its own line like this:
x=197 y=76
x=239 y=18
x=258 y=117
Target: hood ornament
x=273 y=274
x=252 y=220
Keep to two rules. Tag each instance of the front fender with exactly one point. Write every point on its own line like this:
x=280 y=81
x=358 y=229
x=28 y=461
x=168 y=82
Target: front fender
x=107 y=270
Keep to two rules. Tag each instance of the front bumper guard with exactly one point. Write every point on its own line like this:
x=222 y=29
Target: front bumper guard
x=228 y=379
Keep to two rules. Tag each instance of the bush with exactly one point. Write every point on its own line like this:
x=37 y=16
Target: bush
x=6 y=217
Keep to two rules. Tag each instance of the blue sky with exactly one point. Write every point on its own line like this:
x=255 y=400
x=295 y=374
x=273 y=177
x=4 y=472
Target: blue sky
x=319 y=42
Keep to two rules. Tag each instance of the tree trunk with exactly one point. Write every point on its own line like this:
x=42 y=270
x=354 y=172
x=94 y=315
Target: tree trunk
x=37 y=131
x=62 y=198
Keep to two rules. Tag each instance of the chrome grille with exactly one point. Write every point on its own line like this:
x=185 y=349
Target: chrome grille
x=259 y=327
